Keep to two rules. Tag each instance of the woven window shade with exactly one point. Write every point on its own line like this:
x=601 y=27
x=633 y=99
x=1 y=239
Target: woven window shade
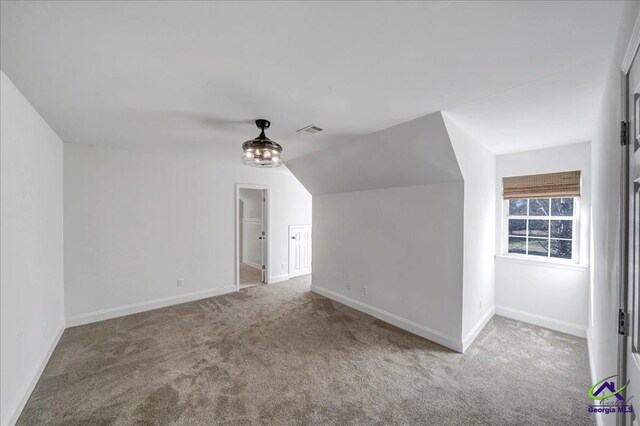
x=565 y=184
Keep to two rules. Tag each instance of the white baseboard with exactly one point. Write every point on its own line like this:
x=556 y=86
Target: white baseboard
x=279 y=278
x=405 y=324
x=18 y=405
x=252 y=264
x=473 y=333
x=300 y=275
x=535 y=319
x=135 y=308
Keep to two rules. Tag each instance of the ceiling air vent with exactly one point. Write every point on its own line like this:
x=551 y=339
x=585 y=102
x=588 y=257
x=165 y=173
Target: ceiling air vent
x=311 y=128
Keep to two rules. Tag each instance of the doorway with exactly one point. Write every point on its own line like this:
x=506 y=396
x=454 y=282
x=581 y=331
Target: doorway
x=252 y=243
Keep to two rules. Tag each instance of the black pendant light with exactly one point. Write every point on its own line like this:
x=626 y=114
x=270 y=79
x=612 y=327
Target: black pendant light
x=262 y=151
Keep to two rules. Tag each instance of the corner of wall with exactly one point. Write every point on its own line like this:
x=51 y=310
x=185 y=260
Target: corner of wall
x=32 y=296
x=478 y=166
x=14 y=411
x=475 y=331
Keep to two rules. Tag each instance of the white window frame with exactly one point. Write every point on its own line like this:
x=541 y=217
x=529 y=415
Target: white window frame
x=575 y=246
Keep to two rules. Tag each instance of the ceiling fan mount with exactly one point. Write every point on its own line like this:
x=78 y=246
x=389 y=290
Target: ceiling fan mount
x=263 y=124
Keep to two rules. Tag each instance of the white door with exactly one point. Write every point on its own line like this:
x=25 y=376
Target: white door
x=299 y=250
x=632 y=344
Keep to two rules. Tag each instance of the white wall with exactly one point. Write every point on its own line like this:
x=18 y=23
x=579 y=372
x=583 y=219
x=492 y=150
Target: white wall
x=250 y=244
x=478 y=166
x=388 y=188
x=543 y=294
x=31 y=278
x=136 y=222
x=404 y=245
x=550 y=295
x=252 y=201
x=605 y=167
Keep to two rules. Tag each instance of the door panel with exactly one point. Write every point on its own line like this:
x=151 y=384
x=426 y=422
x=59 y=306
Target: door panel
x=633 y=304
x=299 y=250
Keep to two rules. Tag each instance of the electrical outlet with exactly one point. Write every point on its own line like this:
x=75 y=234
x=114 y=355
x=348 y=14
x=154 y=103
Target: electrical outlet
x=180 y=283
x=364 y=290
x=348 y=285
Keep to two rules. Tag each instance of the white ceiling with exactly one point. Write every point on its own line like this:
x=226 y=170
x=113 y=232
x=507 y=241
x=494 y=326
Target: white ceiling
x=193 y=75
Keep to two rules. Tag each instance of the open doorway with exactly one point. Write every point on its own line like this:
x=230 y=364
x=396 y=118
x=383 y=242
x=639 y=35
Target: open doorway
x=252 y=247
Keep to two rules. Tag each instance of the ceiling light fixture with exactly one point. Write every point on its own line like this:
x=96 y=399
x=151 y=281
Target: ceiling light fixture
x=262 y=151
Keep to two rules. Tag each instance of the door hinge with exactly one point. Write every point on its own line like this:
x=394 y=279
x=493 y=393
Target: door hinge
x=624 y=129
x=622 y=322
x=263 y=267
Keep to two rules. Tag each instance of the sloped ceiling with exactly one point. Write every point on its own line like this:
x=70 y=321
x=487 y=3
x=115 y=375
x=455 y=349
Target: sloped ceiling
x=417 y=152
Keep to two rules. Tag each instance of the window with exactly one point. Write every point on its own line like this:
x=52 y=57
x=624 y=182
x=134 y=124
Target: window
x=542 y=227
x=541 y=215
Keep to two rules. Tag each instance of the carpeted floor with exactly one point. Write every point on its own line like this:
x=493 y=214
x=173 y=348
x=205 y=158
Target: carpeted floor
x=249 y=275
x=278 y=354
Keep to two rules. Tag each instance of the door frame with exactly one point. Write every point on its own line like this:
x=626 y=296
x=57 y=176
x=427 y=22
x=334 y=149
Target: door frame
x=289 y=246
x=266 y=226
x=625 y=282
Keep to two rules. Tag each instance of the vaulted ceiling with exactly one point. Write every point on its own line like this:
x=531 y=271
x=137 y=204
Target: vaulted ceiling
x=193 y=75
x=418 y=152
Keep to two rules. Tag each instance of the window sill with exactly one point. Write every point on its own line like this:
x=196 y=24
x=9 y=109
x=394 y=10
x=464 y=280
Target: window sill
x=542 y=263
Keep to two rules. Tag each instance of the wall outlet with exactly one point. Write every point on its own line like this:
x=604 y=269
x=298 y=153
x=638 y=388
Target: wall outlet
x=180 y=283
x=364 y=290
x=348 y=285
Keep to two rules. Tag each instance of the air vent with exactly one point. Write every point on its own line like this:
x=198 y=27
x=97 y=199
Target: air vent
x=311 y=128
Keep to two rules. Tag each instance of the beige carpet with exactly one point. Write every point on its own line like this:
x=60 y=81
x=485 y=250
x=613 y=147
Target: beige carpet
x=249 y=275
x=278 y=354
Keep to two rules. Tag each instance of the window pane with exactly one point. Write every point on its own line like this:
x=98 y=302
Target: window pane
x=562 y=207
x=518 y=227
x=518 y=207
x=517 y=245
x=538 y=247
x=539 y=207
x=561 y=249
x=539 y=228
x=561 y=229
